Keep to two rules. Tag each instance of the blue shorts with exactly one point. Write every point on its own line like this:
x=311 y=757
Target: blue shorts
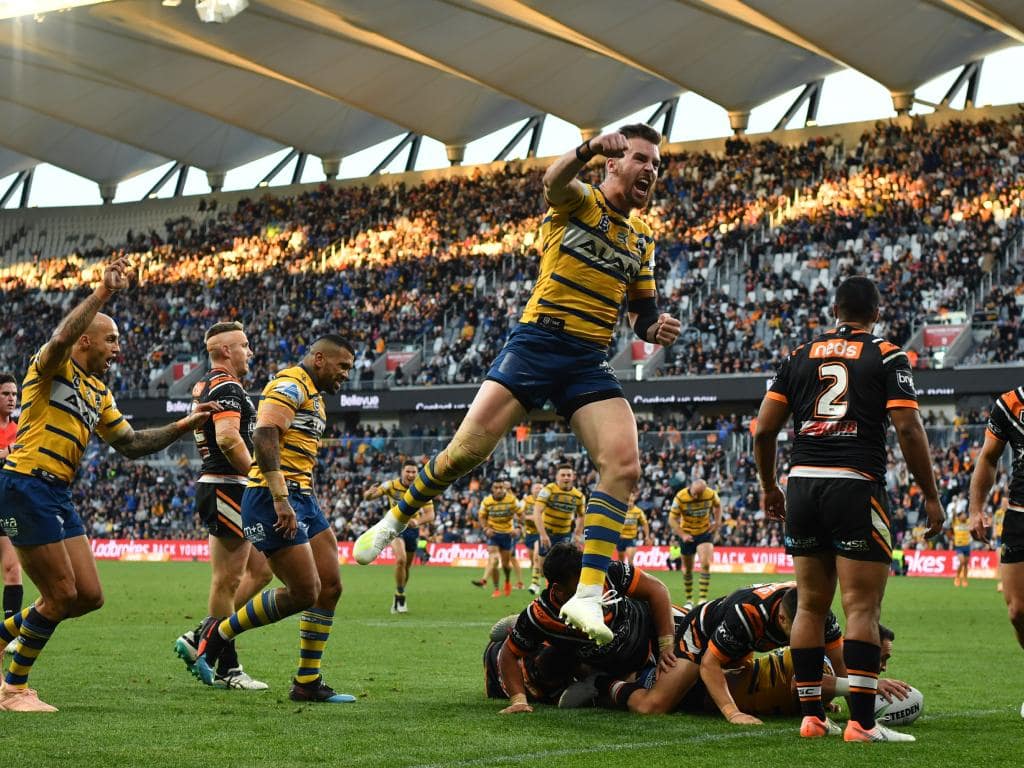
x=530 y=539
x=555 y=539
x=690 y=547
x=963 y=551
x=625 y=544
x=537 y=365
x=411 y=537
x=502 y=541
x=34 y=511
x=258 y=519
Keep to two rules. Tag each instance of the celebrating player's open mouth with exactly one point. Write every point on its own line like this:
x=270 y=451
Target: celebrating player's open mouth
x=642 y=188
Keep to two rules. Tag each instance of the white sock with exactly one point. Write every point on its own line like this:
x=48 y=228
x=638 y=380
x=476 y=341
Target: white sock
x=394 y=523
x=589 y=590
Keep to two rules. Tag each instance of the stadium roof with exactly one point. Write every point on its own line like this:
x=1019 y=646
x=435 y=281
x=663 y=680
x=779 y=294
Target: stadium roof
x=118 y=88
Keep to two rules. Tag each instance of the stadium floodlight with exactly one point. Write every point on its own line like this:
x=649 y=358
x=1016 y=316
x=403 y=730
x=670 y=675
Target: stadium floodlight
x=219 y=11
x=11 y=9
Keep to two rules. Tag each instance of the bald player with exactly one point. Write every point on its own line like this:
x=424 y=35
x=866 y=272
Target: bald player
x=64 y=402
x=225 y=447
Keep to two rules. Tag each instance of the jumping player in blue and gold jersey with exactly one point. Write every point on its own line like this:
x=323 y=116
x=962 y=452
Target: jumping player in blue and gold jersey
x=64 y=400
x=282 y=519
x=596 y=255
x=404 y=547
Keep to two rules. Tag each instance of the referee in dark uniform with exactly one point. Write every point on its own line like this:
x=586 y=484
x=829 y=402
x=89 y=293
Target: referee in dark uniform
x=842 y=389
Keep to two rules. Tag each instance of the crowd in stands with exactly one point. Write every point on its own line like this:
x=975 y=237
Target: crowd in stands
x=448 y=264
x=122 y=499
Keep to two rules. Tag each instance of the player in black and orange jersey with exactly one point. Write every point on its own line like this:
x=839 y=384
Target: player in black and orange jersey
x=498 y=512
x=13 y=589
x=842 y=388
x=1005 y=427
x=637 y=608
x=715 y=636
x=64 y=400
x=596 y=254
x=635 y=520
x=545 y=673
x=225 y=448
x=405 y=546
x=282 y=519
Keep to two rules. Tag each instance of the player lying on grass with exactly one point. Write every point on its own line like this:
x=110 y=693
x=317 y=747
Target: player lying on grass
x=637 y=610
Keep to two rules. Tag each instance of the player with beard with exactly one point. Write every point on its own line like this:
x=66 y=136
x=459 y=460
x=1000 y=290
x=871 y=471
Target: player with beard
x=596 y=253
x=281 y=518
x=64 y=402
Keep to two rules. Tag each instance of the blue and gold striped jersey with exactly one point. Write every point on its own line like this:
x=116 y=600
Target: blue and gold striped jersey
x=526 y=515
x=499 y=514
x=693 y=515
x=635 y=517
x=560 y=507
x=59 y=413
x=293 y=388
x=395 y=489
x=593 y=255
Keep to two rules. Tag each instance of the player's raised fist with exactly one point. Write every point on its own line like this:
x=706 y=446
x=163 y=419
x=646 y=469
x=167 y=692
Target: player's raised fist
x=612 y=144
x=115 y=274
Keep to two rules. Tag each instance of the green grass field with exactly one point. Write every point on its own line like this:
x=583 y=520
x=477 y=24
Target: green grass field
x=126 y=700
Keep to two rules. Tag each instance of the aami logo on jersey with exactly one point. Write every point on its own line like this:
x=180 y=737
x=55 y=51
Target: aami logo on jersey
x=848 y=350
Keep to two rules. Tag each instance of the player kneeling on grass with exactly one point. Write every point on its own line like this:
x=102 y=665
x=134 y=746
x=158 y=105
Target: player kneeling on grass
x=637 y=610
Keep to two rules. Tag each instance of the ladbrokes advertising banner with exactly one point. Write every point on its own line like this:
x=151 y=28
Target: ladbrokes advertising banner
x=753 y=560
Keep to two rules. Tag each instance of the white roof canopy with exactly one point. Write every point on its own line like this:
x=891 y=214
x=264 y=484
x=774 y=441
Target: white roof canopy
x=112 y=90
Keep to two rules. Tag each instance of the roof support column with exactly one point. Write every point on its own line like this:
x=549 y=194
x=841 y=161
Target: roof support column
x=179 y=186
x=405 y=142
x=666 y=112
x=26 y=187
x=811 y=95
x=739 y=121
x=331 y=166
x=13 y=188
x=300 y=166
x=902 y=101
x=108 y=191
x=456 y=153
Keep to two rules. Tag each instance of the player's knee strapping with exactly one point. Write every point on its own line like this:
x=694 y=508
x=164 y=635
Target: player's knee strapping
x=467 y=451
x=602 y=525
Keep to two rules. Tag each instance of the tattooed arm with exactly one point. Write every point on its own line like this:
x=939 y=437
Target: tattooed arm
x=135 y=443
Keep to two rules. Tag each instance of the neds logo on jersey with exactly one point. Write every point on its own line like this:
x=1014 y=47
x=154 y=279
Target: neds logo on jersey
x=848 y=350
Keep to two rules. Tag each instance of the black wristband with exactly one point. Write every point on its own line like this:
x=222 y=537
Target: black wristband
x=590 y=155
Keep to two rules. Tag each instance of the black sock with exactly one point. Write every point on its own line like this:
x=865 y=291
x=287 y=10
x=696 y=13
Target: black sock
x=862 y=662
x=13 y=595
x=807 y=667
x=228 y=658
x=616 y=692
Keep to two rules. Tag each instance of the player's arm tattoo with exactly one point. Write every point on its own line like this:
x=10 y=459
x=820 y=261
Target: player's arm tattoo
x=266 y=445
x=136 y=443
x=70 y=330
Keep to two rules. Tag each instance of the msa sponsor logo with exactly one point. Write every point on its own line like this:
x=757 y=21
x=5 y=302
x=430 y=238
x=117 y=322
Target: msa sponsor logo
x=847 y=350
x=364 y=402
x=829 y=429
x=851 y=545
x=801 y=543
x=9 y=525
x=177 y=406
x=255 y=533
x=905 y=381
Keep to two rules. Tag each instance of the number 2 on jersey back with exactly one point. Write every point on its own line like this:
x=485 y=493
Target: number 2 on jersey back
x=831 y=403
